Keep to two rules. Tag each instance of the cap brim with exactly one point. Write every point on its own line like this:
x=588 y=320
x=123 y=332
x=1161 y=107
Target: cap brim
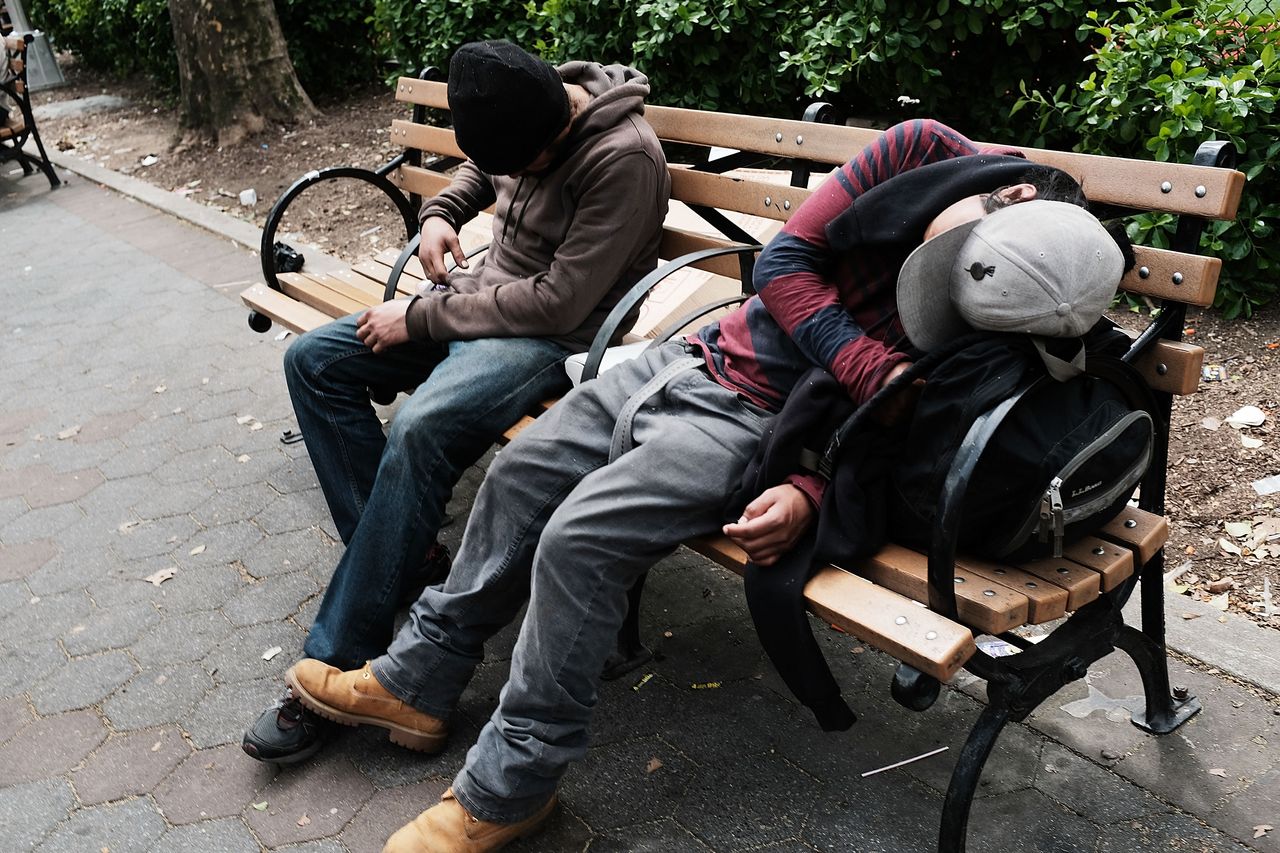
x=924 y=290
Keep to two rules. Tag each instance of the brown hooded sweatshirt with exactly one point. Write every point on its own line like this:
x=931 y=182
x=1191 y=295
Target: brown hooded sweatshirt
x=567 y=244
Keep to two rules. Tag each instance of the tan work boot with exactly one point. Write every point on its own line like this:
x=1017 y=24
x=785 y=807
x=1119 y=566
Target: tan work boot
x=449 y=828
x=356 y=698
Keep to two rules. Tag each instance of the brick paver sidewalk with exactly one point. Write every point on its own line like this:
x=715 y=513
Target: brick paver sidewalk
x=139 y=439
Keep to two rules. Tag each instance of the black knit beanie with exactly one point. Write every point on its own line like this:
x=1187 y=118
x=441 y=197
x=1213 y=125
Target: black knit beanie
x=507 y=105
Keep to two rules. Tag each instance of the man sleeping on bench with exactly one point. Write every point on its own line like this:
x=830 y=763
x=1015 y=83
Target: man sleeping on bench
x=629 y=465
x=579 y=185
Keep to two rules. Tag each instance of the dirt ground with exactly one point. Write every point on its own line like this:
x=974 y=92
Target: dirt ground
x=1225 y=542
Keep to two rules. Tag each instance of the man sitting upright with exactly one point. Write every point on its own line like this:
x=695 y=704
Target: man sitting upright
x=579 y=187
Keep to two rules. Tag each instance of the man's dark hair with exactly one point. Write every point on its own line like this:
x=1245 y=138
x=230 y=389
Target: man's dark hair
x=1056 y=185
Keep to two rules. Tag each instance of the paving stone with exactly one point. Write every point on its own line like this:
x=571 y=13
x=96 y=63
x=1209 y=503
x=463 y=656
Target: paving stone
x=19 y=561
x=12 y=596
x=1089 y=790
x=324 y=845
x=134 y=461
x=296 y=511
x=226 y=543
x=128 y=827
x=71 y=570
x=42 y=523
x=248 y=468
x=82 y=682
x=15 y=713
x=157 y=696
x=10 y=508
x=1027 y=822
x=293 y=475
x=387 y=811
x=387 y=765
x=162 y=501
x=288 y=552
x=24 y=665
x=198 y=588
x=184 y=638
x=101 y=427
x=64 y=488
x=1256 y=805
x=153 y=537
x=240 y=656
x=16 y=420
x=124 y=583
x=663 y=836
x=1166 y=832
x=194 y=465
x=18 y=481
x=562 y=831
x=41 y=617
x=756 y=716
x=627 y=782
x=745 y=801
x=228 y=835
x=326 y=791
x=886 y=813
x=272 y=599
x=50 y=746
x=29 y=812
x=129 y=764
x=212 y=783
x=226 y=711
x=107 y=629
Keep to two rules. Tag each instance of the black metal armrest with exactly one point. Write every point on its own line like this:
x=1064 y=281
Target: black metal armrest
x=377 y=178
x=640 y=290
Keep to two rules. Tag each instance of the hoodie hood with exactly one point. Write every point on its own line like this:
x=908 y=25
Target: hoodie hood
x=615 y=90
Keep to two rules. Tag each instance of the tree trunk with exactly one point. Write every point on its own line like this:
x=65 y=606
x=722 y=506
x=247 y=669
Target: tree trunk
x=234 y=69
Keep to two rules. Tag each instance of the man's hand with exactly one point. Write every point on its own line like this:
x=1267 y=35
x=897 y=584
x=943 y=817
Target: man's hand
x=438 y=237
x=899 y=406
x=384 y=325
x=772 y=524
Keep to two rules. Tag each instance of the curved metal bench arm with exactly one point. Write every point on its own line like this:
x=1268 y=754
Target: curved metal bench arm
x=406 y=255
x=639 y=291
x=376 y=178
x=670 y=331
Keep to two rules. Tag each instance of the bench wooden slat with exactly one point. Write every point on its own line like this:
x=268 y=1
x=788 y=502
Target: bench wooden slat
x=413 y=269
x=1172 y=366
x=424 y=182
x=291 y=314
x=677 y=243
x=870 y=613
x=1082 y=583
x=1197 y=276
x=368 y=296
x=1107 y=180
x=1112 y=563
x=425 y=137
x=986 y=606
x=319 y=297
x=758 y=198
x=1141 y=532
x=1047 y=600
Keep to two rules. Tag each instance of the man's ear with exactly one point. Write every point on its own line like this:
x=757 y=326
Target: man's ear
x=1018 y=193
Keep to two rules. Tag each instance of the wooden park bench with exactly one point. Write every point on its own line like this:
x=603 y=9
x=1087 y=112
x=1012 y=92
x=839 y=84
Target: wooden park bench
x=881 y=600
x=17 y=127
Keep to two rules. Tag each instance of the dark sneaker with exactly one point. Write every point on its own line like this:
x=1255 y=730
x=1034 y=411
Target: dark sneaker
x=434 y=569
x=285 y=733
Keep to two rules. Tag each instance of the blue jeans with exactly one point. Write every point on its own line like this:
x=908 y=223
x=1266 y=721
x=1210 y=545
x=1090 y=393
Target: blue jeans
x=387 y=494
x=559 y=525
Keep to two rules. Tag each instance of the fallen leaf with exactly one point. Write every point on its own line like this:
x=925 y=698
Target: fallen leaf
x=127 y=526
x=654 y=764
x=157 y=578
x=242 y=458
x=1190 y=616
x=1219 y=772
x=256 y=425
x=244 y=419
x=1211 y=424
x=304 y=821
x=1250 y=442
x=1219 y=602
x=1238 y=529
x=1262 y=829
x=69 y=432
x=155 y=747
x=160 y=389
x=271 y=652
x=1229 y=546
x=262 y=806
x=199 y=549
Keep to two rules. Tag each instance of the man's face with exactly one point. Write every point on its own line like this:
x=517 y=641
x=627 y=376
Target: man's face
x=977 y=206
x=544 y=160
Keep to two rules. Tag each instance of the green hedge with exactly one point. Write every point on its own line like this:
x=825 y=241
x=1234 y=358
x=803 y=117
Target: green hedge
x=1163 y=81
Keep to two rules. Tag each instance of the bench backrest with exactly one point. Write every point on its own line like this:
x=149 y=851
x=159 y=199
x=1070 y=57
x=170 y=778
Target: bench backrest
x=1196 y=192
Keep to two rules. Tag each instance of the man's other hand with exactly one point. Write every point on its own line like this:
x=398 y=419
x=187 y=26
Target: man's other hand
x=384 y=326
x=899 y=407
x=438 y=237
x=772 y=524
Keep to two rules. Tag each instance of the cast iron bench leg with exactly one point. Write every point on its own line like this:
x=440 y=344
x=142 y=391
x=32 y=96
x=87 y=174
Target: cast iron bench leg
x=964 y=778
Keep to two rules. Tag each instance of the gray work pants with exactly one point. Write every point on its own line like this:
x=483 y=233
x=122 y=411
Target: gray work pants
x=559 y=525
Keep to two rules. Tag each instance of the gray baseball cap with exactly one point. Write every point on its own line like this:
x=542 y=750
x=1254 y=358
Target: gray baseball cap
x=1039 y=267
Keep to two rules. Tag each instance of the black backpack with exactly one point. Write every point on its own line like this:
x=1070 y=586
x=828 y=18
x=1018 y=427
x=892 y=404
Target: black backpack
x=1062 y=449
